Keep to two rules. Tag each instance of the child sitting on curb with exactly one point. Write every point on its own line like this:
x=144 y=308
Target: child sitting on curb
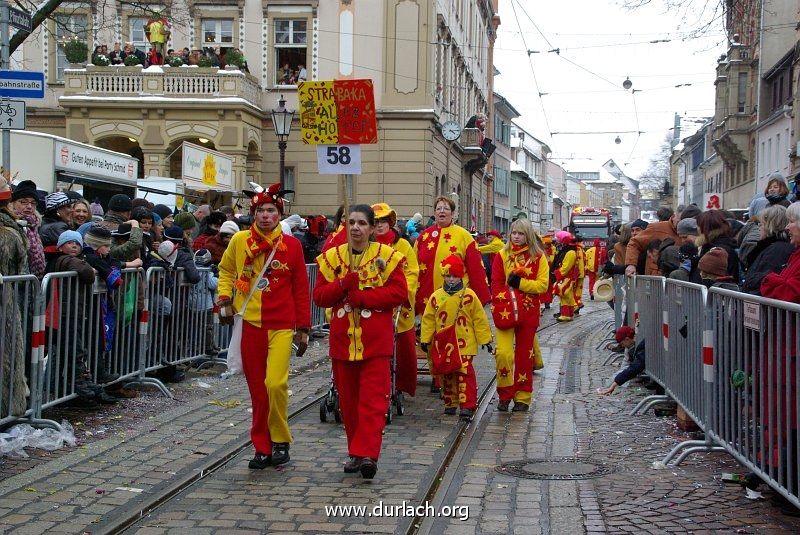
x=625 y=337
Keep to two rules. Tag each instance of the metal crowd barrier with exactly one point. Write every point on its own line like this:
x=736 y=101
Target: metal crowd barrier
x=731 y=361
x=755 y=378
x=18 y=358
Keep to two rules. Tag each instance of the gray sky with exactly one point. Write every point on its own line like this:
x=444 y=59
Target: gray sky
x=613 y=43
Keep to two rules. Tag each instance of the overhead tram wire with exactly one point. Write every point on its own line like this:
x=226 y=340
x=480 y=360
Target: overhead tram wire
x=533 y=72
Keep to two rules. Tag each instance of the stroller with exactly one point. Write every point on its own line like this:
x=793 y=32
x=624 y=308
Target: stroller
x=329 y=405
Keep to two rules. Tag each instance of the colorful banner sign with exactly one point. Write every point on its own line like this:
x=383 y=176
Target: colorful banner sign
x=337 y=112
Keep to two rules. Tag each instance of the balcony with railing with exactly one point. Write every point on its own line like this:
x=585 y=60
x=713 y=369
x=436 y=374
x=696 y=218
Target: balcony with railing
x=178 y=83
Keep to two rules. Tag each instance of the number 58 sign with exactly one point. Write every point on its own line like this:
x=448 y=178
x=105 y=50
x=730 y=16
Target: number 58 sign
x=339 y=159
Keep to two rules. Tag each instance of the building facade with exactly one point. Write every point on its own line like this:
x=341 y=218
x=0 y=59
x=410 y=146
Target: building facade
x=503 y=114
x=429 y=61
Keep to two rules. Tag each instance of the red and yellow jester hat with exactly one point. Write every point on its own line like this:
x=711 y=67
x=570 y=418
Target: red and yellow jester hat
x=272 y=195
x=453 y=265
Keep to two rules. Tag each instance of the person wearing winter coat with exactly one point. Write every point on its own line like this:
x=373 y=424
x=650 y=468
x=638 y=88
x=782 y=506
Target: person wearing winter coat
x=57 y=218
x=217 y=243
x=201 y=298
x=13 y=261
x=749 y=235
x=637 y=245
x=715 y=231
x=185 y=258
x=24 y=199
x=772 y=250
x=785 y=285
x=210 y=226
x=413 y=227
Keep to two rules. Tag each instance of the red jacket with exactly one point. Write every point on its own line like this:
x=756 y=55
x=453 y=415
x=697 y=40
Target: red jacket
x=785 y=285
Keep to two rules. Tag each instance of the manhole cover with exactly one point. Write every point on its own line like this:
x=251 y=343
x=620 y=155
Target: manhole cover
x=564 y=468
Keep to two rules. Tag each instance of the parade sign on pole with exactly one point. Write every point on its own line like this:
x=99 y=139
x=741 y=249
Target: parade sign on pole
x=337 y=114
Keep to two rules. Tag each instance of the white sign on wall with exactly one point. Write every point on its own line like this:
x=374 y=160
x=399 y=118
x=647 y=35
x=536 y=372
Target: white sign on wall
x=207 y=168
x=88 y=161
x=339 y=159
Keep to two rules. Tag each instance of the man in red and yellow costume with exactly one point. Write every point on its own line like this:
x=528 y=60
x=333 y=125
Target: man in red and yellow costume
x=278 y=312
x=580 y=264
x=596 y=256
x=565 y=270
x=405 y=343
x=362 y=281
x=519 y=276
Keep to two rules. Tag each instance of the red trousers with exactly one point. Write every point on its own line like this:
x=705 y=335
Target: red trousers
x=461 y=388
x=592 y=279
x=265 y=360
x=547 y=297
x=364 y=387
x=406 y=362
x=514 y=361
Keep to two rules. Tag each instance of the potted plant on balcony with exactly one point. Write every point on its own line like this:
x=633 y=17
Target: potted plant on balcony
x=132 y=60
x=175 y=61
x=76 y=52
x=204 y=61
x=234 y=59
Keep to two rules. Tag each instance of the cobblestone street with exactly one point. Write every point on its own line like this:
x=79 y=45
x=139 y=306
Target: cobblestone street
x=185 y=469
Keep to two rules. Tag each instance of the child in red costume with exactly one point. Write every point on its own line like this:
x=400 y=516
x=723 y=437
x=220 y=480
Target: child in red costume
x=362 y=282
x=455 y=304
x=278 y=313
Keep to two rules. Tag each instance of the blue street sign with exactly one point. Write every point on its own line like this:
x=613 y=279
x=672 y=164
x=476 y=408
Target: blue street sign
x=21 y=84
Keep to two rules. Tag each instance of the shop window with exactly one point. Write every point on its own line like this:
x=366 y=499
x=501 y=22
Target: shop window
x=67 y=26
x=291 y=44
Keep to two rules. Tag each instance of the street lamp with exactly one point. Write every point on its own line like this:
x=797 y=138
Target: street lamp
x=282 y=122
x=627 y=84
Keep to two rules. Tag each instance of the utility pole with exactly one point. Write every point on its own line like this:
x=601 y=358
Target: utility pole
x=4 y=64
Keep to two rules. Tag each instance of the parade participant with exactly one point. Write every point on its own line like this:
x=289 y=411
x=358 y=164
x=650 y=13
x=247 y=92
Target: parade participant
x=362 y=282
x=550 y=254
x=596 y=256
x=456 y=305
x=580 y=263
x=405 y=343
x=267 y=267
x=439 y=241
x=490 y=249
x=520 y=275
x=339 y=235
x=565 y=271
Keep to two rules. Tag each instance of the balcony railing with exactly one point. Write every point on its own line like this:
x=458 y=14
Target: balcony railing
x=169 y=82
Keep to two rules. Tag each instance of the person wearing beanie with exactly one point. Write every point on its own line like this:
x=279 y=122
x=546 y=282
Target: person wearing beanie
x=777 y=190
x=637 y=245
x=713 y=268
x=638 y=226
x=24 y=201
x=186 y=221
x=362 y=282
x=748 y=237
x=219 y=242
x=72 y=333
x=118 y=213
x=98 y=238
x=687 y=230
x=413 y=226
x=690 y=211
x=175 y=234
x=625 y=337
x=209 y=227
x=57 y=218
x=448 y=304
x=405 y=340
x=165 y=214
x=278 y=313
x=520 y=276
x=201 y=300
x=13 y=261
x=139 y=202
x=96 y=207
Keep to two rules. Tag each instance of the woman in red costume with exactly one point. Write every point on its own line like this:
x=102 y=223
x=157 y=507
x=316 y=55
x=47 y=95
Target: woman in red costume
x=520 y=275
x=362 y=281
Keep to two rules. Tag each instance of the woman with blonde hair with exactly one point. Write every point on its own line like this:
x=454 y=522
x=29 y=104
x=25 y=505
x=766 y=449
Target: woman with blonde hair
x=520 y=274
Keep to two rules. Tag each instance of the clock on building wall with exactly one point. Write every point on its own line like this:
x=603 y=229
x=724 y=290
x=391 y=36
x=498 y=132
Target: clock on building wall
x=451 y=130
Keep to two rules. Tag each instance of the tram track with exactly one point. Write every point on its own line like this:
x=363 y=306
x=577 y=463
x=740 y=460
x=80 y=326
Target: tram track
x=434 y=492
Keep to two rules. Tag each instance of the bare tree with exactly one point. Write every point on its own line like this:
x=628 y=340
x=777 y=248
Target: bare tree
x=698 y=17
x=657 y=172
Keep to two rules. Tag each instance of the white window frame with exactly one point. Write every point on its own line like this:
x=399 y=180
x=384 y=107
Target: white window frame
x=135 y=25
x=62 y=34
x=219 y=34
x=292 y=41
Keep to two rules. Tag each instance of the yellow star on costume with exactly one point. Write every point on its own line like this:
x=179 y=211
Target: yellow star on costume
x=523 y=377
x=423 y=268
x=424 y=236
x=505 y=314
x=430 y=245
x=501 y=296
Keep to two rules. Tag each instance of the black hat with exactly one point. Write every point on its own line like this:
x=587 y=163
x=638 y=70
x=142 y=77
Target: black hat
x=639 y=223
x=162 y=210
x=24 y=190
x=123 y=230
x=120 y=203
x=174 y=233
x=74 y=195
x=216 y=218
